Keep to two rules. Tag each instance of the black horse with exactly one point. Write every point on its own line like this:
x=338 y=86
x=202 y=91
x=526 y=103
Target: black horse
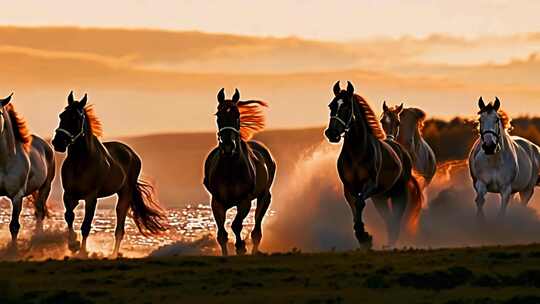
x=239 y=170
x=94 y=170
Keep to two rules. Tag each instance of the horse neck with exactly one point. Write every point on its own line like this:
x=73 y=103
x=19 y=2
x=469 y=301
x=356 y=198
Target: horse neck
x=358 y=135
x=410 y=134
x=84 y=146
x=506 y=140
x=8 y=147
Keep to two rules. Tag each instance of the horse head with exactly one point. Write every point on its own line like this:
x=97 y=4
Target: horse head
x=490 y=125
x=228 y=122
x=72 y=124
x=390 y=120
x=341 y=112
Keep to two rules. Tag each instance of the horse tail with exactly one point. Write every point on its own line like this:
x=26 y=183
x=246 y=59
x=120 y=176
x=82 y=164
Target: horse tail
x=145 y=209
x=415 y=202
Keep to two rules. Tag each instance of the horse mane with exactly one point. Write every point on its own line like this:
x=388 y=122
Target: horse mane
x=371 y=119
x=252 y=119
x=20 y=127
x=93 y=121
x=505 y=119
x=420 y=115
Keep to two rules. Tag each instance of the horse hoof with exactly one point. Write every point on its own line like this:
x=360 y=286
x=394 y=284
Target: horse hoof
x=74 y=246
x=241 y=251
x=365 y=240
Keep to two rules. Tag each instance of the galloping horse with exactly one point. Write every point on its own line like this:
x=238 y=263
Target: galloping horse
x=371 y=167
x=239 y=170
x=405 y=125
x=94 y=170
x=500 y=163
x=26 y=167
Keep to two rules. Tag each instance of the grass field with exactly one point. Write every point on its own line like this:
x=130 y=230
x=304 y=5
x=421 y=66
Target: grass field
x=468 y=275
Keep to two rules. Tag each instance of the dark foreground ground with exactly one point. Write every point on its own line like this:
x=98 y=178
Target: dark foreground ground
x=476 y=275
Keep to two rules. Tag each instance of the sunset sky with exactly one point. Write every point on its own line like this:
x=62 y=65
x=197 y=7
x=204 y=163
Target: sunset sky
x=317 y=19
x=159 y=64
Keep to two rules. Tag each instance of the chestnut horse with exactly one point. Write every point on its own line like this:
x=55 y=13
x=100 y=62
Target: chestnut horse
x=371 y=167
x=94 y=170
x=239 y=170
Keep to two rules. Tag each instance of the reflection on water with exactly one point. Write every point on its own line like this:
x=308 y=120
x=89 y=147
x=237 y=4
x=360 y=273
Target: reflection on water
x=187 y=224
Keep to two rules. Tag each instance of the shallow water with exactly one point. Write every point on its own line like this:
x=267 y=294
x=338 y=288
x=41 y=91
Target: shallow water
x=186 y=225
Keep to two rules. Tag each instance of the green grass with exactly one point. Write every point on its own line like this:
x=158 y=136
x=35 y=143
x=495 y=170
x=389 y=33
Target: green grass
x=468 y=275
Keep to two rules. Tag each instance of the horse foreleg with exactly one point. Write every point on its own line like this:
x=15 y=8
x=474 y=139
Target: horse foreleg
x=238 y=224
x=480 y=199
x=525 y=196
x=357 y=206
x=219 y=215
x=14 y=225
x=506 y=194
x=41 y=205
x=89 y=211
x=70 y=204
x=263 y=203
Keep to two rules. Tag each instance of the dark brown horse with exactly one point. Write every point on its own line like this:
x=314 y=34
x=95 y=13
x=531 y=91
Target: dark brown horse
x=371 y=167
x=239 y=170
x=94 y=170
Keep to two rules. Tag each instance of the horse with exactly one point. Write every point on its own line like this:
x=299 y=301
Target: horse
x=370 y=166
x=93 y=170
x=405 y=126
x=26 y=167
x=501 y=163
x=239 y=169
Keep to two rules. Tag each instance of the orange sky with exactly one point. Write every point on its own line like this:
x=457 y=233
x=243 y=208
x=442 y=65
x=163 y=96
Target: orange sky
x=439 y=55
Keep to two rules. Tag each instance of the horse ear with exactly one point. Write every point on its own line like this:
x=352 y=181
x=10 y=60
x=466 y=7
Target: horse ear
x=221 y=95
x=384 y=106
x=236 y=96
x=400 y=108
x=4 y=102
x=481 y=103
x=70 y=98
x=497 y=104
x=350 y=88
x=82 y=102
x=336 y=88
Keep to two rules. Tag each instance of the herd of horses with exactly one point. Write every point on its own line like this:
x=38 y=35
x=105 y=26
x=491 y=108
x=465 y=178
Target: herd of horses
x=384 y=159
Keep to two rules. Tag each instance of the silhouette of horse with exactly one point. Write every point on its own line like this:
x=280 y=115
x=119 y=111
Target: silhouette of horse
x=239 y=170
x=371 y=167
x=94 y=170
x=500 y=163
x=26 y=167
x=405 y=126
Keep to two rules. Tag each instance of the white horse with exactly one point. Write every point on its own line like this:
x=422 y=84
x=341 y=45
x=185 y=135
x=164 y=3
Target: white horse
x=26 y=167
x=500 y=163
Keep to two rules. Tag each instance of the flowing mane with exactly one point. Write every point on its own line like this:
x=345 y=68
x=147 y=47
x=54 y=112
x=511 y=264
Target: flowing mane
x=370 y=117
x=20 y=127
x=93 y=122
x=252 y=119
x=505 y=120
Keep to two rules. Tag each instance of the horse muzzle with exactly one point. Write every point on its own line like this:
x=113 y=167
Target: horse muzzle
x=490 y=148
x=59 y=144
x=333 y=135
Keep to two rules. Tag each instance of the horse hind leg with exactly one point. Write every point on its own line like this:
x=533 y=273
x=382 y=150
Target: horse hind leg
x=238 y=224
x=122 y=208
x=40 y=203
x=219 y=212
x=263 y=202
x=381 y=204
x=399 y=205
